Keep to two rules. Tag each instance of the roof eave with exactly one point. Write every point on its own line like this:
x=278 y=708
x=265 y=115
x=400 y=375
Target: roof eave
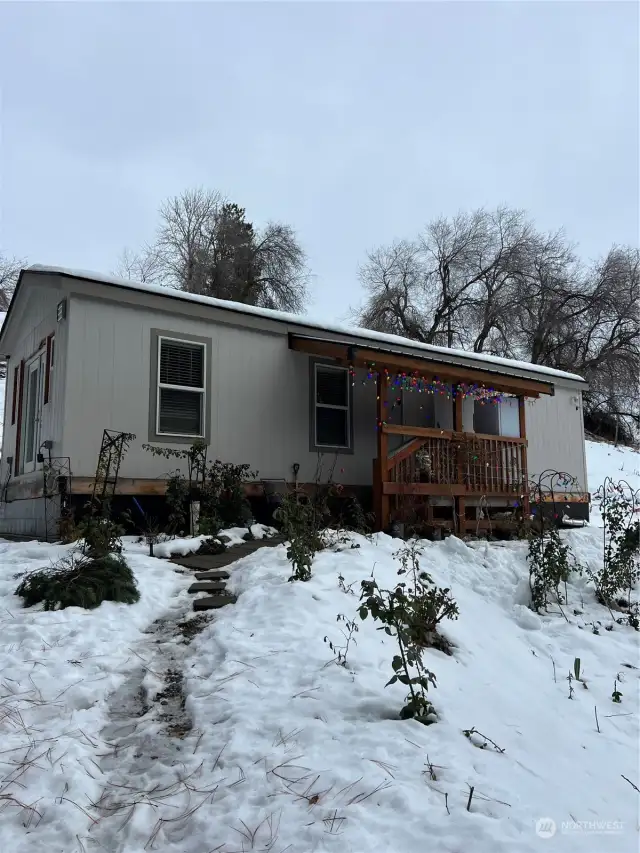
x=361 y=340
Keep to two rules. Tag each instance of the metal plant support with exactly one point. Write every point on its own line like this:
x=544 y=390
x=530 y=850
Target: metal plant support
x=113 y=448
x=551 y=488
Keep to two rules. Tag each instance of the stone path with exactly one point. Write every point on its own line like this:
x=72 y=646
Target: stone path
x=211 y=574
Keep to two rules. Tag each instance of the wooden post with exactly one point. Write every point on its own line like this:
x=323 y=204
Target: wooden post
x=381 y=471
x=460 y=503
x=526 y=509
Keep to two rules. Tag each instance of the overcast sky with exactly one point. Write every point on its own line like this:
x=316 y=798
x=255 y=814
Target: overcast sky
x=355 y=123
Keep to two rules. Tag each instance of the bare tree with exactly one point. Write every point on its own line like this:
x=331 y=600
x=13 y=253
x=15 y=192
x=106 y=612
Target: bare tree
x=451 y=285
x=206 y=245
x=9 y=271
x=143 y=266
x=491 y=282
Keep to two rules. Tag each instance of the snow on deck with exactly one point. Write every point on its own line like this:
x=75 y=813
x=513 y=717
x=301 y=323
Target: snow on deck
x=303 y=320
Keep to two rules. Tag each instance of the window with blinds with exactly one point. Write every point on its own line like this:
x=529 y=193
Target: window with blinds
x=332 y=407
x=181 y=388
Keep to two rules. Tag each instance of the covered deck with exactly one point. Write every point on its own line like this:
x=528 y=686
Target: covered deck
x=446 y=478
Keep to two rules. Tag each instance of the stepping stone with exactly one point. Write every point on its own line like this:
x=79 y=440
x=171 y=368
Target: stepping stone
x=214 y=575
x=213 y=602
x=207 y=586
x=204 y=561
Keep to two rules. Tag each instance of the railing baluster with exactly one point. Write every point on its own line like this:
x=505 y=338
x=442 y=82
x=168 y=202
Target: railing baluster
x=487 y=465
x=492 y=464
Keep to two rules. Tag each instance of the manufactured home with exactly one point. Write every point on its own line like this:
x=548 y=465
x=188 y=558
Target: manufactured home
x=454 y=436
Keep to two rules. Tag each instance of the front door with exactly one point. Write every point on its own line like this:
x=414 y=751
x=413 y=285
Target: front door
x=32 y=410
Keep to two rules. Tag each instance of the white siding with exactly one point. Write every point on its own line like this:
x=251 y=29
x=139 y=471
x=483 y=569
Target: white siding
x=555 y=433
x=259 y=400
x=259 y=396
x=34 y=319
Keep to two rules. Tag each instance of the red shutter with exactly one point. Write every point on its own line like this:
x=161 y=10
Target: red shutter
x=16 y=376
x=47 y=370
x=16 y=461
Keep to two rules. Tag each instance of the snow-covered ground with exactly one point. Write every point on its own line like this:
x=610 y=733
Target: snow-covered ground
x=606 y=460
x=277 y=748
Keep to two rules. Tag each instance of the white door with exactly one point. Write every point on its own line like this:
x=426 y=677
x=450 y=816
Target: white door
x=32 y=411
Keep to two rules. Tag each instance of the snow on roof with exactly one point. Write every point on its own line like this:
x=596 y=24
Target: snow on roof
x=304 y=320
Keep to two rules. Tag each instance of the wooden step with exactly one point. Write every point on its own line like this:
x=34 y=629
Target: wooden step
x=213 y=575
x=213 y=602
x=207 y=586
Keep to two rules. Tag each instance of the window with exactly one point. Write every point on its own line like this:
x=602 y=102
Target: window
x=332 y=409
x=501 y=418
x=181 y=388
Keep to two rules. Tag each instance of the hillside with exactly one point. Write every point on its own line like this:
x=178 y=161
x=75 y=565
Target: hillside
x=277 y=748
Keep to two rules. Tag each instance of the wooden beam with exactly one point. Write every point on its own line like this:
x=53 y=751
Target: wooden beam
x=455 y=373
x=522 y=419
x=460 y=509
x=447 y=490
x=447 y=434
x=461 y=515
x=526 y=507
x=404 y=452
x=382 y=470
x=124 y=486
x=364 y=357
x=501 y=438
x=143 y=486
x=457 y=414
x=324 y=349
x=417 y=432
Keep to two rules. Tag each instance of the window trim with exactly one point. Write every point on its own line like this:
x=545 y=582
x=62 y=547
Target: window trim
x=49 y=366
x=14 y=403
x=35 y=364
x=314 y=447
x=16 y=462
x=155 y=436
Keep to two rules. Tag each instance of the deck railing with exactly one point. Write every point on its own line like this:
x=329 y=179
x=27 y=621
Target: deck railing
x=443 y=462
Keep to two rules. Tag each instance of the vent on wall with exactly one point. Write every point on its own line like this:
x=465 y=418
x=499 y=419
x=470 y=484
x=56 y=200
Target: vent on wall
x=61 y=310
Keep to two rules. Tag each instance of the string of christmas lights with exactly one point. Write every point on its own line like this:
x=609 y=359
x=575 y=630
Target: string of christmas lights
x=414 y=382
